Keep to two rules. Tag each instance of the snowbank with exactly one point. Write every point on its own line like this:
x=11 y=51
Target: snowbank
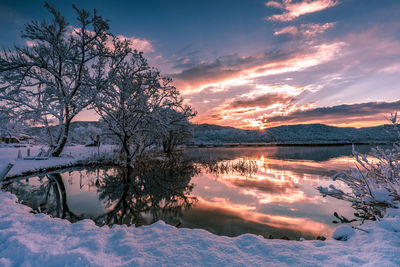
x=36 y=240
x=70 y=156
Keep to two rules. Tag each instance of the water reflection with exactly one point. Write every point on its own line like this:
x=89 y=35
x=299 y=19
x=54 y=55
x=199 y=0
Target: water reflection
x=227 y=191
x=154 y=190
x=280 y=197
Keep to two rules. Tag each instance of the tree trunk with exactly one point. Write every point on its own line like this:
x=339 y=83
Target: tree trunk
x=61 y=141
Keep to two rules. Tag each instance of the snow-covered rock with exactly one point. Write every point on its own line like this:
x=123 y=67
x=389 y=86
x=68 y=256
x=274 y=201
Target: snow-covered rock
x=343 y=232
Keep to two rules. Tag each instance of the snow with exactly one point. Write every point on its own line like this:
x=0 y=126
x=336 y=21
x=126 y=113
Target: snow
x=29 y=239
x=343 y=232
x=71 y=155
x=35 y=239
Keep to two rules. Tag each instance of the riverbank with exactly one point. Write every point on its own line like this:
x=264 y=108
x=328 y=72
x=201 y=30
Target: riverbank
x=71 y=156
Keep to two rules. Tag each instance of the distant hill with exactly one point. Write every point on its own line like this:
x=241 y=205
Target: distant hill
x=295 y=134
x=211 y=134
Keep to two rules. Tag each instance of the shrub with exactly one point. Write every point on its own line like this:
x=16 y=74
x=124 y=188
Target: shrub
x=374 y=183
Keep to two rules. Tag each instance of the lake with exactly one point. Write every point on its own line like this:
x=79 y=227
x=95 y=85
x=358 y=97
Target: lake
x=268 y=191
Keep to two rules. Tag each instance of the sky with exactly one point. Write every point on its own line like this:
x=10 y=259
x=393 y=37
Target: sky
x=256 y=64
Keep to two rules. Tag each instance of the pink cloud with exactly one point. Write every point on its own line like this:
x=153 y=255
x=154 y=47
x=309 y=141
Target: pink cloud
x=142 y=45
x=30 y=43
x=307 y=30
x=292 y=30
x=312 y=29
x=138 y=44
x=274 y=4
x=292 y=10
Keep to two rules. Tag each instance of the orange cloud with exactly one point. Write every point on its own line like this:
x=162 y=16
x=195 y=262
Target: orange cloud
x=292 y=11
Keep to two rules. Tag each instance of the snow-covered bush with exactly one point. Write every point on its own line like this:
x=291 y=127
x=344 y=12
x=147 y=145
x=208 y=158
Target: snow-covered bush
x=374 y=182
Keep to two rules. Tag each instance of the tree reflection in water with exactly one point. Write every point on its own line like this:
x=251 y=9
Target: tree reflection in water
x=48 y=197
x=154 y=189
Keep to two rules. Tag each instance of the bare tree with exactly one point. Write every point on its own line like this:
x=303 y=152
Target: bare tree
x=52 y=79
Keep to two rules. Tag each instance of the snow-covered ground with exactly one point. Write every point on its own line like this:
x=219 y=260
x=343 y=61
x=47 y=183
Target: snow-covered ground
x=29 y=239
x=38 y=240
x=70 y=156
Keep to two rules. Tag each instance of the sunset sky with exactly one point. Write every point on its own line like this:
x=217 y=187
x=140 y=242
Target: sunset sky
x=257 y=63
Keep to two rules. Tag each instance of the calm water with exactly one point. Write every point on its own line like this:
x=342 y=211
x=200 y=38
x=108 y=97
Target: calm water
x=227 y=191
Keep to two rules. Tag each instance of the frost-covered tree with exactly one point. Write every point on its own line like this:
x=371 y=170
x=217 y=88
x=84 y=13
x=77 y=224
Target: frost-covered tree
x=133 y=101
x=52 y=78
x=174 y=127
x=374 y=184
x=10 y=125
x=85 y=135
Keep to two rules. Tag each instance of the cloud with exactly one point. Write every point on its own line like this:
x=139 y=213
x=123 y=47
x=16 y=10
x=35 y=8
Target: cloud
x=292 y=30
x=236 y=70
x=312 y=29
x=274 y=4
x=143 y=45
x=30 y=43
x=355 y=67
x=262 y=101
x=292 y=10
x=242 y=111
x=138 y=44
x=305 y=30
x=347 y=112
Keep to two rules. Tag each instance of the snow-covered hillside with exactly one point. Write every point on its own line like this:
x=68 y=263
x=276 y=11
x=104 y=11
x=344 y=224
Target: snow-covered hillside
x=294 y=134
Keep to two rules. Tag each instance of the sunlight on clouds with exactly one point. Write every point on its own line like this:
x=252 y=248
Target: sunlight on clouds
x=292 y=10
x=142 y=45
x=285 y=89
x=319 y=54
x=287 y=30
x=30 y=43
x=306 y=30
x=313 y=29
x=265 y=99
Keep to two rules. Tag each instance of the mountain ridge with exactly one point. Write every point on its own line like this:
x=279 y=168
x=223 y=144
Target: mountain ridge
x=284 y=134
